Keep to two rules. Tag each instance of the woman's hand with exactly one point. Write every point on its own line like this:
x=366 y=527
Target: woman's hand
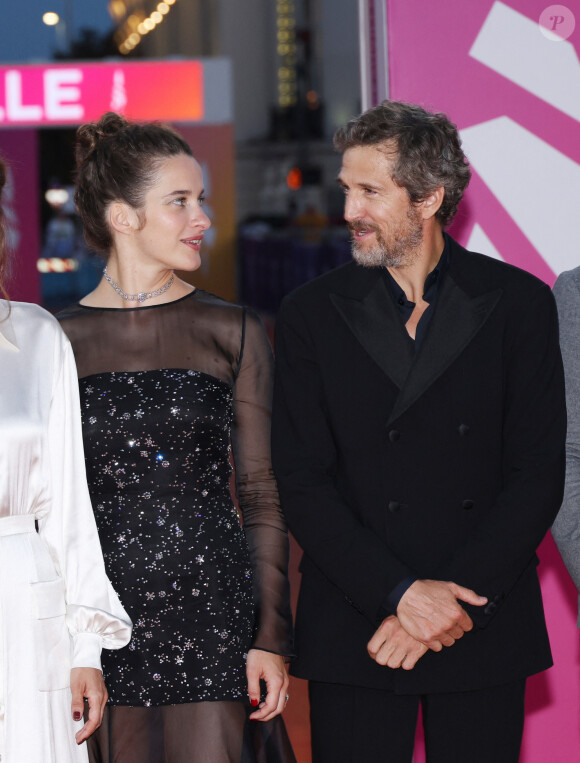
x=272 y=669
x=87 y=682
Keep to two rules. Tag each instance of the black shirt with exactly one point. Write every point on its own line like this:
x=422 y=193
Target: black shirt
x=405 y=308
x=430 y=290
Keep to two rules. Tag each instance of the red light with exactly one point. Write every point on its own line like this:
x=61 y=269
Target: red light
x=294 y=179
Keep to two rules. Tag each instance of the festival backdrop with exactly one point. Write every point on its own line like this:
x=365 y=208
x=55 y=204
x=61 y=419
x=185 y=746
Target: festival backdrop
x=194 y=95
x=508 y=74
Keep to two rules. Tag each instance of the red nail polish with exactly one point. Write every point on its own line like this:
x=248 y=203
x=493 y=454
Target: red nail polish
x=254 y=702
x=77 y=716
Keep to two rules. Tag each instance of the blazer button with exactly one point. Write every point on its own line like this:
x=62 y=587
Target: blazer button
x=490 y=608
x=468 y=504
x=394 y=506
x=463 y=429
x=394 y=435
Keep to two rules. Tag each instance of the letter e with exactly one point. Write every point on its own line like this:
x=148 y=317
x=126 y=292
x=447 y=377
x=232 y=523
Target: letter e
x=60 y=94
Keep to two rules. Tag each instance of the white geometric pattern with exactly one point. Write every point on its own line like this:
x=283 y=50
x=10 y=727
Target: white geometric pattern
x=537 y=185
x=513 y=45
x=480 y=242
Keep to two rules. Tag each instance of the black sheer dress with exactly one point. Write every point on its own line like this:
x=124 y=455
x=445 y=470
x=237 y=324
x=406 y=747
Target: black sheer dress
x=168 y=394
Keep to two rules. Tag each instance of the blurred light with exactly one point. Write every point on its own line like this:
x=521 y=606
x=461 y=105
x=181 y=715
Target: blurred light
x=286 y=47
x=50 y=18
x=133 y=21
x=312 y=97
x=56 y=197
x=141 y=27
x=294 y=179
x=117 y=8
x=56 y=265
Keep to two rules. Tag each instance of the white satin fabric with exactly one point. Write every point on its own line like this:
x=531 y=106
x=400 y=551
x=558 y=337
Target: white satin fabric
x=57 y=606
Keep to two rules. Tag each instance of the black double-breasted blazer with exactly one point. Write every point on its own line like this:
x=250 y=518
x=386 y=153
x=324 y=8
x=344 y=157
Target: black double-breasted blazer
x=446 y=464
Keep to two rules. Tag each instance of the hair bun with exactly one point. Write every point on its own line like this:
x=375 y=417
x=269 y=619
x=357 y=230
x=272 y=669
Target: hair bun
x=89 y=136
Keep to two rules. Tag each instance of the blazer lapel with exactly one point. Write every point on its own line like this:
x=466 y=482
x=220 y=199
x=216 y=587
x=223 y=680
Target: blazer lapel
x=457 y=319
x=374 y=321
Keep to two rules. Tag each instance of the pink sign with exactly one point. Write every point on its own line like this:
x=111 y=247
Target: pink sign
x=507 y=73
x=63 y=94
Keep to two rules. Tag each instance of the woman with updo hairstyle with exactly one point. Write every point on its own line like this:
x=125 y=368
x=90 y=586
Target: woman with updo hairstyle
x=175 y=387
x=57 y=607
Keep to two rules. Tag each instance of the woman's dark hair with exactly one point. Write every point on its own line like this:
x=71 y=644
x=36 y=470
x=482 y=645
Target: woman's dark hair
x=426 y=149
x=3 y=249
x=117 y=160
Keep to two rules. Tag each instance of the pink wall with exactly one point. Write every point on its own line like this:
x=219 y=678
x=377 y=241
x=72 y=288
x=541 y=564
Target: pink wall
x=21 y=203
x=514 y=95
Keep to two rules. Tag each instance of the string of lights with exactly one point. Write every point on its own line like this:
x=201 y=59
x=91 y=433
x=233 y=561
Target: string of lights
x=286 y=34
x=137 y=25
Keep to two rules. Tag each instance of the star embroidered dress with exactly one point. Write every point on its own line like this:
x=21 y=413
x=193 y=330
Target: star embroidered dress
x=171 y=395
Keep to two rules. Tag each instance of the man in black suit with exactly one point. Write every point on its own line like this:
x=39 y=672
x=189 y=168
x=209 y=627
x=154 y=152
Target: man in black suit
x=418 y=442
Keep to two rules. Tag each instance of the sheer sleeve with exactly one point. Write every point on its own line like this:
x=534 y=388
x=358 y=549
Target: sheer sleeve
x=257 y=493
x=94 y=614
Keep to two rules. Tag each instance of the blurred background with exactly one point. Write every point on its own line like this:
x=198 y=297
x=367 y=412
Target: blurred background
x=275 y=79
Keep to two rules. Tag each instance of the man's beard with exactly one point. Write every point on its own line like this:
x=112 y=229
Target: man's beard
x=401 y=248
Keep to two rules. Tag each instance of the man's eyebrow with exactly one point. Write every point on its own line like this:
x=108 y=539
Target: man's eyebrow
x=371 y=186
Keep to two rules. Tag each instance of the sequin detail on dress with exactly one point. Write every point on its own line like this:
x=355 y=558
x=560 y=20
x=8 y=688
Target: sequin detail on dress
x=157 y=445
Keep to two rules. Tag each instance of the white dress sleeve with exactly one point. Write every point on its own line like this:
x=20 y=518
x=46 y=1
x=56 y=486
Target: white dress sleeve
x=94 y=615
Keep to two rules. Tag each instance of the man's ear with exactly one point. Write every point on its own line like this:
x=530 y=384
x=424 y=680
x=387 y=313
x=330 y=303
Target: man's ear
x=430 y=206
x=123 y=218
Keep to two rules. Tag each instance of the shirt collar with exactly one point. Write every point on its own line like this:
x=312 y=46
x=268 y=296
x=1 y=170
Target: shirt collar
x=431 y=282
x=7 y=333
x=434 y=277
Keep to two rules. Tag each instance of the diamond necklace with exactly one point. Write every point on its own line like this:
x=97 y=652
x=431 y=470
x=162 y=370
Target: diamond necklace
x=143 y=295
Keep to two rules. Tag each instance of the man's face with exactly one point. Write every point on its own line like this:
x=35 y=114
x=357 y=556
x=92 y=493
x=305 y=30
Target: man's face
x=386 y=228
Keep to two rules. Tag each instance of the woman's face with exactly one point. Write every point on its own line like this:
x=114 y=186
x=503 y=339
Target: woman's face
x=174 y=218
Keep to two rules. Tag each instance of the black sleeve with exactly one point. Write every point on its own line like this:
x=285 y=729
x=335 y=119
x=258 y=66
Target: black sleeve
x=264 y=524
